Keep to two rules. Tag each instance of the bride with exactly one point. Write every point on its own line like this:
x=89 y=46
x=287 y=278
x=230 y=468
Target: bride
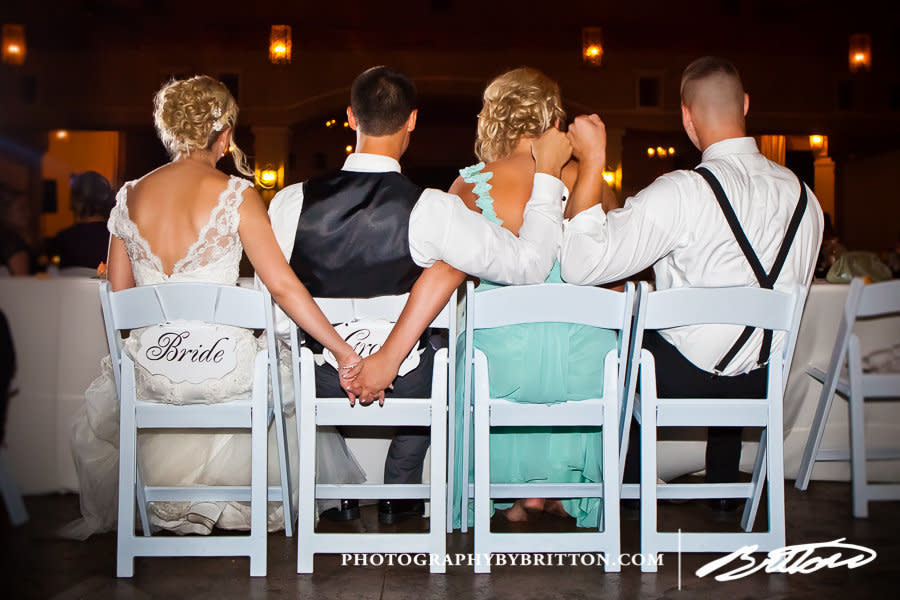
x=187 y=221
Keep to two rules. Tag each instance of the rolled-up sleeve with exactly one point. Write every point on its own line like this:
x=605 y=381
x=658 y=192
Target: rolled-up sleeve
x=600 y=247
x=442 y=228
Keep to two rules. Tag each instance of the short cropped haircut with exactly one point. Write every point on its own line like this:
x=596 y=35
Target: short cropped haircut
x=703 y=68
x=382 y=100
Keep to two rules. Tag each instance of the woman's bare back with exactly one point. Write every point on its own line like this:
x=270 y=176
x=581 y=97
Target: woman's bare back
x=171 y=205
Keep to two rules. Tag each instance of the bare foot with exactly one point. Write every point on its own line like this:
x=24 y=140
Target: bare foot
x=555 y=507
x=516 y=513
x=532 y=504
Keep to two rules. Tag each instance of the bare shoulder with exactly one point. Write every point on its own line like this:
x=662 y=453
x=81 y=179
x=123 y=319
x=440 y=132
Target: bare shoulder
x=466 y=192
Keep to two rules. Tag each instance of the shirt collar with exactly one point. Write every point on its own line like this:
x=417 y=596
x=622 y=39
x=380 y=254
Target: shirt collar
x=742 y=145
x=370 y=163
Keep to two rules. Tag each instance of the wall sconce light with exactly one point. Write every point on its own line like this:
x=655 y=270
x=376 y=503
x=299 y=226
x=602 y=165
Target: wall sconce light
x=818 y=144
x=613 y=178
x=14 y=44
x=62 y=134
x=267 y=177
x=280 y=45
x=860 y=52
x=651 y=151
x=592 y=46
x=348 y=149
x=660 y=152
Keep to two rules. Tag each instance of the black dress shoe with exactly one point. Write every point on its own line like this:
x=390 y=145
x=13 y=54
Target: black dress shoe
x=347 y=511
x=725 y=505
x=394 y=511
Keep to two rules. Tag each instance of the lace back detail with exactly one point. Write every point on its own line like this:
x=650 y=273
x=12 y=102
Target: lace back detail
x=218 y=244
x=219 y=237
x=475 y=174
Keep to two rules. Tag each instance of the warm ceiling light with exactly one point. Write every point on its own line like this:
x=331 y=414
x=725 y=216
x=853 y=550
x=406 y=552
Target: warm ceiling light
x=660 y=151
x=592 y=46
x=346 y=124
x=671 y=151
x=14 y=44
x=280 y=44
x=651 y=152
x=348 y=149
x=62 y=134
x=860 y=52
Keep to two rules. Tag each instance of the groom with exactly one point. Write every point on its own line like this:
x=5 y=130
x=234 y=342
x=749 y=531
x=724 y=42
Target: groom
x=677 y=225
x=366 y=230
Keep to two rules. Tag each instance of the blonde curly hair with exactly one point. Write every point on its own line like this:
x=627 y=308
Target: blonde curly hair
x=191 y=114
x=519 y=103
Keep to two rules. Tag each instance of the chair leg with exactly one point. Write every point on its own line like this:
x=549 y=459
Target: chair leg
x=287 y=498
x=482 y=470
x=611 y=479
x=141 y=496
x=127 y=466
x=306 y=430
x=774 y=465
x=259 y=487
x=437 y=484
x=759 y=478
x=648 y=463
x=857 y=433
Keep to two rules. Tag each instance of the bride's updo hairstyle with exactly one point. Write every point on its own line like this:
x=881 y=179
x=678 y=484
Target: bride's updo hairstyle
x=191 y=114
x=520 y=103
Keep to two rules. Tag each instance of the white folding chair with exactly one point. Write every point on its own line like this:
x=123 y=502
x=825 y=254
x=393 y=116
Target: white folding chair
x=209 y=303
x=561 y=303
x=863 y=302
x=425 y=412
x=465 y=489
x=765 y=309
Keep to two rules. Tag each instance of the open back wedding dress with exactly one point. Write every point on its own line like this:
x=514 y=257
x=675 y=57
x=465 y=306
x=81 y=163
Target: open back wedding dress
x=198 y=457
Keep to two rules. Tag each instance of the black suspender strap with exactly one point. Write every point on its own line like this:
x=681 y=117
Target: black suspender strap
x=765 y=280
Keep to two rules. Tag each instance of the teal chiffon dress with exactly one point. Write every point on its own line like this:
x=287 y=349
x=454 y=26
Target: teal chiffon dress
x=539 y=363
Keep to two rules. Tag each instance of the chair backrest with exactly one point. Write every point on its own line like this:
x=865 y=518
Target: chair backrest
x=341 y=310
x=552 y=303
x=877 y=299
x=148 y=305
x=756 y=307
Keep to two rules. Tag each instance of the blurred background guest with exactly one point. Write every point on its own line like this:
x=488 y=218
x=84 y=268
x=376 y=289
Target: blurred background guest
x=85 y=243
x=14 y=254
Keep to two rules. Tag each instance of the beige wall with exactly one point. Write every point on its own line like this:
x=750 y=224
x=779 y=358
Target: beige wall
x=80 y=151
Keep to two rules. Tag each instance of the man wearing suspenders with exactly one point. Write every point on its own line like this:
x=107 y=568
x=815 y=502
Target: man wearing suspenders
x=737 y=220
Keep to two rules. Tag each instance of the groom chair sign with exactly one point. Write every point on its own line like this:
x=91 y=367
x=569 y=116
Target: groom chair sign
x=186 y=340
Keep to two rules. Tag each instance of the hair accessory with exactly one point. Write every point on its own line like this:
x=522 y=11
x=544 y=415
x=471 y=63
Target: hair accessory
x=217 y=114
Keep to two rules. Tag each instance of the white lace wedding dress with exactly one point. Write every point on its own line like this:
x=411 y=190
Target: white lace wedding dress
x=202 y=456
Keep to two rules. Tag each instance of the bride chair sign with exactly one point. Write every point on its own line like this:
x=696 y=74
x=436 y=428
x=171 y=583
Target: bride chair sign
x=186 y=340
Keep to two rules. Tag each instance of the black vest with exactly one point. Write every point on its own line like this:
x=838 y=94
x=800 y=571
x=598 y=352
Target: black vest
x=353 y=235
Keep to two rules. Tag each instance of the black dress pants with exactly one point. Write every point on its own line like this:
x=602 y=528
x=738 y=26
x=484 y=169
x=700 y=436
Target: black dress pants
x=677 y=377
x=406 y=454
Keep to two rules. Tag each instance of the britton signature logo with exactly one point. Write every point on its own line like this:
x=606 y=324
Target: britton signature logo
x=802 y=558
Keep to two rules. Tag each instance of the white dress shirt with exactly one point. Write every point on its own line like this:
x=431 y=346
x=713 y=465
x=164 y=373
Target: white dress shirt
x=676 y=226
x=442 y=227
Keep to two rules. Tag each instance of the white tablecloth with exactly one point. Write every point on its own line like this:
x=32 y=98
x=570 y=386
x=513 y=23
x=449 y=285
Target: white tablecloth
x=57 y=328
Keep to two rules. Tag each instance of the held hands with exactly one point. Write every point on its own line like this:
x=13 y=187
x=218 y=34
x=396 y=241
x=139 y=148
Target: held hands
x=349 y=368
x=587 y=135
x=551 y=151
x=376 y=375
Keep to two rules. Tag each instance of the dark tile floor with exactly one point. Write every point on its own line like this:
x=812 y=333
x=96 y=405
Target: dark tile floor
x=35 y=564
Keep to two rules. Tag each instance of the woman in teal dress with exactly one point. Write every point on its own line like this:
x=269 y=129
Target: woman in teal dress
x=541 y=363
